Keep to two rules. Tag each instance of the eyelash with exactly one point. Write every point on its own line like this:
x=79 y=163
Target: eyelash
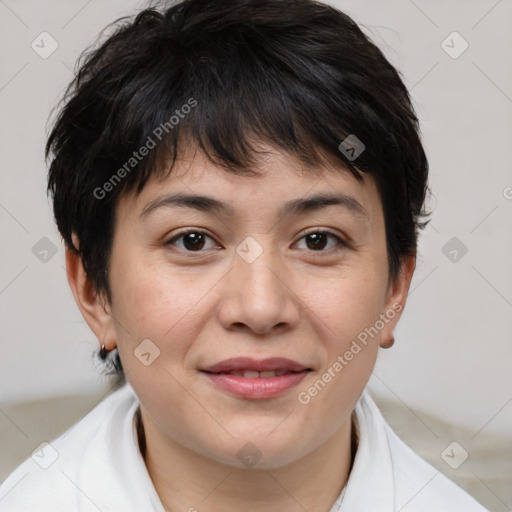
x=341 y=243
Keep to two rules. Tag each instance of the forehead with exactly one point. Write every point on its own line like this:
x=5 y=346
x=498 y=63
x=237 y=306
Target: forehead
x=276 y=179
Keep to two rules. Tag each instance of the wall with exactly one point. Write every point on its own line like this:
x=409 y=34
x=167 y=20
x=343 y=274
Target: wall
x=453 y=346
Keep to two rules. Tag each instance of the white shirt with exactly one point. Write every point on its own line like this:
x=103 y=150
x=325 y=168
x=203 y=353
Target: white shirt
x=97 y=466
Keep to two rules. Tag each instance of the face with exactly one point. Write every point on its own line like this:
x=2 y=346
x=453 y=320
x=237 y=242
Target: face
x=245 y=274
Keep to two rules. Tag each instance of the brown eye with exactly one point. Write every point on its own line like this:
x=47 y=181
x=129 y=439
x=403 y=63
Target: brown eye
x=191 y=241
x=319 y=240
x=316 y=241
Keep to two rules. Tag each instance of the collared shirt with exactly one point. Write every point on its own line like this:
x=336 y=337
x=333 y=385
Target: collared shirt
x=96 y=465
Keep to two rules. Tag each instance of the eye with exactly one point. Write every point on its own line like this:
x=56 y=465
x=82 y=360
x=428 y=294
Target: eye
x=197 y=241
x=191 y=241
x=319 y=240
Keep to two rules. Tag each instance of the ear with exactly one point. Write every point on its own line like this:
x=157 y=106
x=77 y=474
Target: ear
x=94 y=308
x=398 y=289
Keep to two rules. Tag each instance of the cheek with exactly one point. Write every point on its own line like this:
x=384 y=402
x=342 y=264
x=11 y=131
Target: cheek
x=346 y=309
x=156 y=302
x=347 y=304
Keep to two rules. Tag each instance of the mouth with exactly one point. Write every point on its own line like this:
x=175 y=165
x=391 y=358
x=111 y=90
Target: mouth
x=256 y=379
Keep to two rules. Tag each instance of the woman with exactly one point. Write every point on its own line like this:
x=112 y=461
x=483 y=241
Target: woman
x=240 y=187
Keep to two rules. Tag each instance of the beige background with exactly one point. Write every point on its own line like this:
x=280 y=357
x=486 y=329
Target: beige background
x=453 y=347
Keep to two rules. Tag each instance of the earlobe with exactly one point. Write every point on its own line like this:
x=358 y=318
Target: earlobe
x=388 y=342
x=396 y=299
x=94 y=307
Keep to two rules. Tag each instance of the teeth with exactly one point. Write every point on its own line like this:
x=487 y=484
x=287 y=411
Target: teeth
x=252 y=374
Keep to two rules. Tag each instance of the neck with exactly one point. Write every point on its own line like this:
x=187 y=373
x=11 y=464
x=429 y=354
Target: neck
x=186 y=480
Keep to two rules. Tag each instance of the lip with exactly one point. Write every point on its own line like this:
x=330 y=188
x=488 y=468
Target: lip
x=260 y=365
x=258 y=388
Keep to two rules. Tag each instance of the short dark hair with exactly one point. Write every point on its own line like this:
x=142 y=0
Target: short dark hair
x=297 y=74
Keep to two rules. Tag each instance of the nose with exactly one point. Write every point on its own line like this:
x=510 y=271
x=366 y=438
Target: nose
x=258 y=296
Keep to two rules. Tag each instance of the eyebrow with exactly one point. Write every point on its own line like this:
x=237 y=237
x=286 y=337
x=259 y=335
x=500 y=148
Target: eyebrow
x=296 y=206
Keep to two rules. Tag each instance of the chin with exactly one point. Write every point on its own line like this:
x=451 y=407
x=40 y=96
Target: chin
x=258 y=452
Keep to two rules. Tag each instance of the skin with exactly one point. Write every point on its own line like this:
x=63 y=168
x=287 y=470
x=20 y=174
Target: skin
x=199 y=308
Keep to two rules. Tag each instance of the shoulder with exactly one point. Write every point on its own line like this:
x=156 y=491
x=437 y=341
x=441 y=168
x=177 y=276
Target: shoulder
x=57 y=476
x=421 y=487
x=401 y=479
